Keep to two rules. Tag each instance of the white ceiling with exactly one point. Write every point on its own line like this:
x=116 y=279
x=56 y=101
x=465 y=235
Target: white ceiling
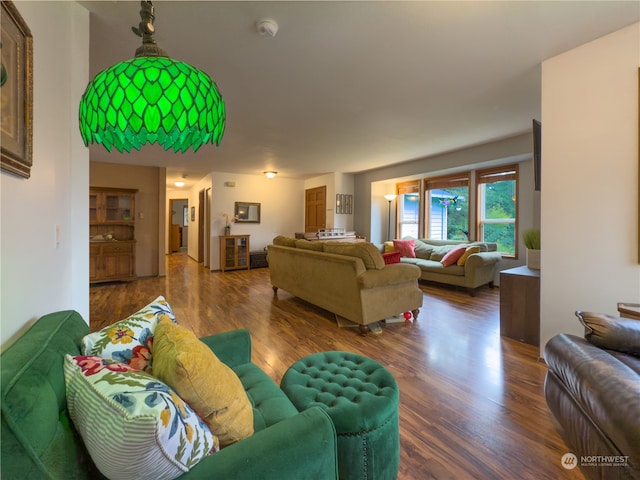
x=354 y=85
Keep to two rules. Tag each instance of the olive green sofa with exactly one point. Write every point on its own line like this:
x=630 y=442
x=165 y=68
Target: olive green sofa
x=479 y=268
x=349 y=279
x=39 y=440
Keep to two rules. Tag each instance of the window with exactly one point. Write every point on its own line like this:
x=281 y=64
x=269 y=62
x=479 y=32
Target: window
x=447 y=214
x=409 y=209
x=497 y=191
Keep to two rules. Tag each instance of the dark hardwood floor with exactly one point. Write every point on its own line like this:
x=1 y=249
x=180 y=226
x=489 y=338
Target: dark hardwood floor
x=471 y=402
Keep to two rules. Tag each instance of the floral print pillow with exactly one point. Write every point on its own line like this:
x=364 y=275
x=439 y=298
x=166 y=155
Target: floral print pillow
x=133 y=425
x=129 y=340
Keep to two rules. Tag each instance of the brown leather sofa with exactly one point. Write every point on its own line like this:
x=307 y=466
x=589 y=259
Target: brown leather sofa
x=592 y=388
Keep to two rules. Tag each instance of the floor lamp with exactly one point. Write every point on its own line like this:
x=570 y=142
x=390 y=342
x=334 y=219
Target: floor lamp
x=389 y=197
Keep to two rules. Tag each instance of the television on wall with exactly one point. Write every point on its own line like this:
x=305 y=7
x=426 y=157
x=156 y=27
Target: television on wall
x=537 y=152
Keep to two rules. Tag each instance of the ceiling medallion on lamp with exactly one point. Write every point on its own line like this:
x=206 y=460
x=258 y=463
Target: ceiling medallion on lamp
x=151 y=99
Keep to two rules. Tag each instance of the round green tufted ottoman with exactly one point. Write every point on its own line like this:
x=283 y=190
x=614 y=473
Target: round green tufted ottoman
x=361 y=397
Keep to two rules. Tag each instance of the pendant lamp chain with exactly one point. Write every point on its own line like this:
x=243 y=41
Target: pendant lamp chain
x=146 y=30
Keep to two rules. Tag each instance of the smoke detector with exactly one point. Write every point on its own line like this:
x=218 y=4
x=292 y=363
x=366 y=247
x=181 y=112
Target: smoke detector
x=267 y=27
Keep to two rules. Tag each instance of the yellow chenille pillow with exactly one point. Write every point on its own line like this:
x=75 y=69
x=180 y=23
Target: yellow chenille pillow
x=470 y=250
x=388 y=247
x=209 y=386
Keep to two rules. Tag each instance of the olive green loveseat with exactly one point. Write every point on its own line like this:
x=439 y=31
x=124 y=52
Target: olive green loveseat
x=40 y=441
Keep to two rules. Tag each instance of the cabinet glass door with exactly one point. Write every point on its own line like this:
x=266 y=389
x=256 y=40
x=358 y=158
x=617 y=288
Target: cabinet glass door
x=242 y=251
x=229 y=253
x=118 y=208
x=93 y=208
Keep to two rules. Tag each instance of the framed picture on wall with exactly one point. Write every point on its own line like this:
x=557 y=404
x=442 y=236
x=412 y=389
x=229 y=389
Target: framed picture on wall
x=193 y=214
x=16 y=89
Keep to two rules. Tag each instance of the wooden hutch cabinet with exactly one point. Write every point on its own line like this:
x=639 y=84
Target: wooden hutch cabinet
x=112 y=246
x=234 y=252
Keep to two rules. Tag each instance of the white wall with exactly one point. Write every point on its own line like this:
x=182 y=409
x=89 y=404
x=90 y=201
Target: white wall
x=590 y=174
x=38 y=276
x=281 y=208
x=343 y=185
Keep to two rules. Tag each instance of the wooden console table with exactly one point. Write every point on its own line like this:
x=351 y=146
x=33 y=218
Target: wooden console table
x=520 y=304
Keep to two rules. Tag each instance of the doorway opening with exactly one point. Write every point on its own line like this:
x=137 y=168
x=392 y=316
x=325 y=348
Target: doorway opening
x=179 y=225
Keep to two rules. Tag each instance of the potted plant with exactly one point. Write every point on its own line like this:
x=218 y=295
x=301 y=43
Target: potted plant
x=228 y=220
x=531 y=238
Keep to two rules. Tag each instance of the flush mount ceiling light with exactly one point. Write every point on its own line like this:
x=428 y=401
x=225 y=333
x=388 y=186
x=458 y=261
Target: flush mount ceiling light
x=179 y=184
x=151 y=99
x=270 y=174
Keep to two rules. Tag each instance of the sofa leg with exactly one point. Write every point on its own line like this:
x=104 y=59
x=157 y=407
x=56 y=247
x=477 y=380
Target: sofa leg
x=491 y=285
x=364 y=329
x=415 y=314
x=472 y=292
x=275 y=290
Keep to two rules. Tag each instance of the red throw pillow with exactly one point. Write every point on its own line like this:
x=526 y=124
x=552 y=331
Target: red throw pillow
x=452 y=256
x=405 y=247
x=391 y=257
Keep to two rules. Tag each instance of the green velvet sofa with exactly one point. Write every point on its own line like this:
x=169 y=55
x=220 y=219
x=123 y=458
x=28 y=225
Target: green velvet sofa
x=39 y=440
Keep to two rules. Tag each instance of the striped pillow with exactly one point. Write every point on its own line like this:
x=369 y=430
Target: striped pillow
x=133 y=425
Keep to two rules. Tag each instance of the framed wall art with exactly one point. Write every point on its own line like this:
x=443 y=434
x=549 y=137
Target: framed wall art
x=16 y=90
x=344 y=204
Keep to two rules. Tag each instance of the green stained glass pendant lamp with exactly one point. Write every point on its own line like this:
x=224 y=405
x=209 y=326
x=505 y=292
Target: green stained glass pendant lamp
x=151 y=99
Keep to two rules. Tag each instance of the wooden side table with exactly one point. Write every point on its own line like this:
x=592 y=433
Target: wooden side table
x=520 y=304
x=629 y=310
